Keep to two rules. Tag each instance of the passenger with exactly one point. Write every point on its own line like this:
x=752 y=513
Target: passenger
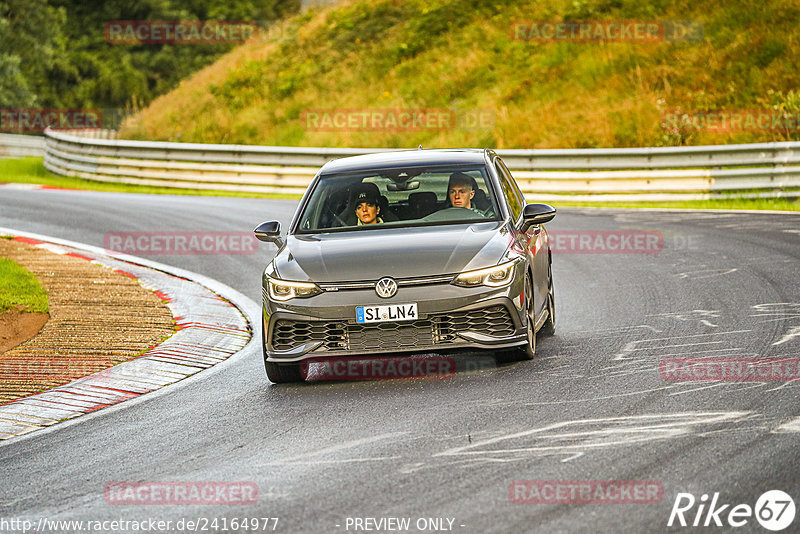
x=368 y=207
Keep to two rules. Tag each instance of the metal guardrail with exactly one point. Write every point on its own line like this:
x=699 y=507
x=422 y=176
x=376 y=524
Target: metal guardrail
x=18 y=146
x=669 y=173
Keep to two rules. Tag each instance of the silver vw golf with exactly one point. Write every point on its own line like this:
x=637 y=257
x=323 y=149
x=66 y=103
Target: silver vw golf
x=407 y=251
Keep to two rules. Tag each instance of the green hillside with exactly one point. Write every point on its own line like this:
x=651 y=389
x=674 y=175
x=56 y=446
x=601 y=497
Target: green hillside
x=483 y=82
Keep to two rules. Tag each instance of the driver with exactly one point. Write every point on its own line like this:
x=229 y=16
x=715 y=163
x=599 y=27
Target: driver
x=460 y=191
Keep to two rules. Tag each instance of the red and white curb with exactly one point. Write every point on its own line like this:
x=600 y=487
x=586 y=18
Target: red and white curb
x=32 y=187
x=210 y=330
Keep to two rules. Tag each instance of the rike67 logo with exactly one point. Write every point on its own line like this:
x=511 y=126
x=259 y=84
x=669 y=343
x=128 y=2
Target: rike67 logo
x=774 y=510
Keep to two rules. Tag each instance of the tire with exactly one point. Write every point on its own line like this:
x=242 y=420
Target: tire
x=549 y=326
x=527 y=351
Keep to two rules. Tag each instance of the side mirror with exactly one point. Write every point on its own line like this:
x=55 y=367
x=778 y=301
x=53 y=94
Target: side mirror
x=269 y=232
x=536 y=214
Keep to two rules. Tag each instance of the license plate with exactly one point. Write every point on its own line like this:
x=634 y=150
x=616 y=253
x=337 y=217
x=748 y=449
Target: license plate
x=392 y=312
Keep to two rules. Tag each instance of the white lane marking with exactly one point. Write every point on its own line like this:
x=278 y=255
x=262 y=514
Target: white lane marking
x=705 y=273
x=740 y=386
x=631 y=345
x=701 y=388
x=684 y=345
x=341 y=461
x=699 y=315
x=657 y=331
x=616 y=395
x=622 y=372
x=785 y=384
x=793 y=425
x=411 y=468
x=623 y=367
x=612 y=431
x=733 y=349
x=776 y=307
x=791 y=334
x=573 y=457
x=696 y=335
x=779 y=310
x=617 y=329
x=334 y=448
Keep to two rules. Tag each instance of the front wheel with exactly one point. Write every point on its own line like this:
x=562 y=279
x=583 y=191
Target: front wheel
x=527 y=351
x=549 y=326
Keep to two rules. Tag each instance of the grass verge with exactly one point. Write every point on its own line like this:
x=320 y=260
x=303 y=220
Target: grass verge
x=19 y=289
x=31 y=171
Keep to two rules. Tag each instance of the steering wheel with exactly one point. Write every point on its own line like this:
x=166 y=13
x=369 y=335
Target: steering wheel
x=452 y=213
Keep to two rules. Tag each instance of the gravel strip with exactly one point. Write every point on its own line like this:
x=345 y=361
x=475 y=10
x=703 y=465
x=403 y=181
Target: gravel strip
x=98 y=318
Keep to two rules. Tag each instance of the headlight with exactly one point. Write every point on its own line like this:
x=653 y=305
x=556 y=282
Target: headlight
x=497 y=276
x=282 y=290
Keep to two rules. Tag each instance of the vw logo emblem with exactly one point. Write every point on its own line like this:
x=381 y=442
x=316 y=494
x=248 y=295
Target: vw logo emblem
x=386 y=287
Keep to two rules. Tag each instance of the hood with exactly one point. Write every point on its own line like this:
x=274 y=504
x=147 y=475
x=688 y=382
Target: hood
x=395 y=252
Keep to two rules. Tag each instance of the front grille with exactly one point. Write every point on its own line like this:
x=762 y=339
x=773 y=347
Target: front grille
x=387 y=336
x=438 y=329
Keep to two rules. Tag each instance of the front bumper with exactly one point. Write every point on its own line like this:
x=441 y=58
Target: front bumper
x=450 y=318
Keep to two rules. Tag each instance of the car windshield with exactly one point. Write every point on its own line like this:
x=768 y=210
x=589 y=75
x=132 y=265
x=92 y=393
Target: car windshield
x=399 y=197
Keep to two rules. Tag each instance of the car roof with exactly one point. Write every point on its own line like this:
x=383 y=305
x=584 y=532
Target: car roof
x=405 y=158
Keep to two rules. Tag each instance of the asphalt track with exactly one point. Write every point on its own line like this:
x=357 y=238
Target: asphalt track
x=591 y=406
